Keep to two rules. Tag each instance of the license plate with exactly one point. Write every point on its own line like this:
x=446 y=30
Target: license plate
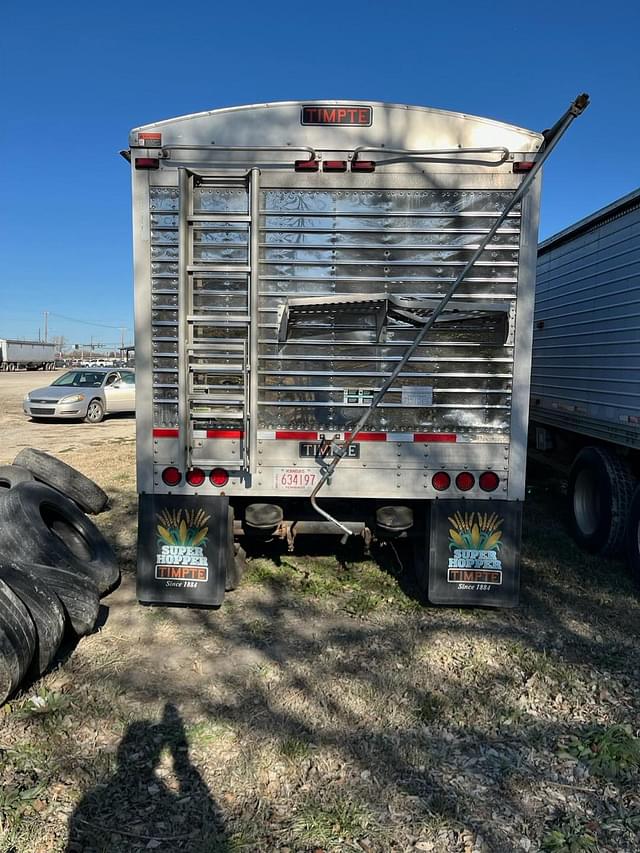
x=294 y=479
x=315 y=449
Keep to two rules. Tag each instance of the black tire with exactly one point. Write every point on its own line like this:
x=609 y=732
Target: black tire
x=77 y=593
x=57 y=474
x=45 y=609
x=17 y=641
x=38 y=524
x=633 y=536
x=95 y=412
x=601 y=486
x=11 y=475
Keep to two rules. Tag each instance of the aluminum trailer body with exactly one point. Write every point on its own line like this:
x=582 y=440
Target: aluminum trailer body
x=32 y=355
x=585 y=389
x=284 y=255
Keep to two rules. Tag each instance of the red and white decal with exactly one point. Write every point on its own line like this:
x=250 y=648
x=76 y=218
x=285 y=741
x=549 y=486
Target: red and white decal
x=294 y=435
x=150 y=140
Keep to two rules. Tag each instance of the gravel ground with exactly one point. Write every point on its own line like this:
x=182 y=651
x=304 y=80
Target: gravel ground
x=325 y=707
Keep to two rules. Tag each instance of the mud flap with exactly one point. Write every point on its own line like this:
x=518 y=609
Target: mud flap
x=474 y=555
x=183 y=549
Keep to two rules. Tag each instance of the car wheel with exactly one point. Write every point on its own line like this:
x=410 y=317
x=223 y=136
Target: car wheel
x=45 y=610
x=57 y=474
x=95 y=412
x=39 y=524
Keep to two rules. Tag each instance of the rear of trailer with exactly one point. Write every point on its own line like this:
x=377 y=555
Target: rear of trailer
x=324 y=283
x=585 y=391
x=32 y=355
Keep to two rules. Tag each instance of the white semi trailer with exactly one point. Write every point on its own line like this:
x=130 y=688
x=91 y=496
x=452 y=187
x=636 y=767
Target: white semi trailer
x=334 y=309
x=29 y=355
x=585 y=391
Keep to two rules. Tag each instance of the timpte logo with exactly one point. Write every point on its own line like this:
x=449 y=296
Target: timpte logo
x=353 y=116
x=182 y=537
x=475 y=539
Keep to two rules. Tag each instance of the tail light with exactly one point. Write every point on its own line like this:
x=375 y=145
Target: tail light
x=334 y=166
x=441 y=481
x=489 y=481
x=195 y=477
x=171 y=476
x=219 y=477
x=465 y=481
x=306 y=165
x=363 y=166
x=523 y=166
x=146 y=163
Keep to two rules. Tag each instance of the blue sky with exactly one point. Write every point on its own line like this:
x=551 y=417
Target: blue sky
x=75 y=77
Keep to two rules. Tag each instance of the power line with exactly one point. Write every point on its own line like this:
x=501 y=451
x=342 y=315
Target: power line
x=84 y=322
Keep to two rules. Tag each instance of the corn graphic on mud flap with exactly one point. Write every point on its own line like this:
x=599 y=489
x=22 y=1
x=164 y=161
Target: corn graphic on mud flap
x=474 y=554
x=183 y=549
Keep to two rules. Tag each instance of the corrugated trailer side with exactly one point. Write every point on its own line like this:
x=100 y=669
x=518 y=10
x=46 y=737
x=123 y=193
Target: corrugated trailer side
x=585 y=387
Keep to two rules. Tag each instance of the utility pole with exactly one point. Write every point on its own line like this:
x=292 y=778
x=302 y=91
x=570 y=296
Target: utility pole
x=46 y=324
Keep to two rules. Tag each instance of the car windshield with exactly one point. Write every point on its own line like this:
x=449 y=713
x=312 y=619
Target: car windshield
x=80 y=379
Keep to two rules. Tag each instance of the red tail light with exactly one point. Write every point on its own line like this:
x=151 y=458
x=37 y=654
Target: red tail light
x=489 y=481
x=306 y=165
x=146 y=162
x=523 y=166
x=363 y=166
x=219 y=477
x=441 y=481
x=465 y=481
x=334 y=166
x=171 y=476
x=195 y=477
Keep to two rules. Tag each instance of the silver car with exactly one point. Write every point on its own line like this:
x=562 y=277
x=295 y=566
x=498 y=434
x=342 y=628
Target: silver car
x=89 y=394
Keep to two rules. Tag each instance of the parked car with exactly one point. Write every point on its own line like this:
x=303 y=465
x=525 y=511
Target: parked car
x=89 y=394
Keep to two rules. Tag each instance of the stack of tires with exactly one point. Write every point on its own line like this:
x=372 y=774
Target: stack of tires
x=55 y=565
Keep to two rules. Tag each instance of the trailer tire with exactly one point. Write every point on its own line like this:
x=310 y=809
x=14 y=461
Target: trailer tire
x=45 y=609
x=11 y=475
x=236 y=560
x=601 y=485
x=57 y=474
x=78 y=594
x=40 y=525
x=17 y=641
x=633 y=536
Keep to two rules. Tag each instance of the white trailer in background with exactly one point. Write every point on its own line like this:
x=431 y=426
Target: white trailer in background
x=30 y=355
x=334 y=296
x=585 y=387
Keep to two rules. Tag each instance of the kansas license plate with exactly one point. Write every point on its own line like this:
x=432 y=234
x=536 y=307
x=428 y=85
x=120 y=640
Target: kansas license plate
x=315 y=449
x=292 y=479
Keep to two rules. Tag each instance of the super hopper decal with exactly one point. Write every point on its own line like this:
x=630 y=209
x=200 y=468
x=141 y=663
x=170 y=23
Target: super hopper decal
x=475 y=539
x=181 y=542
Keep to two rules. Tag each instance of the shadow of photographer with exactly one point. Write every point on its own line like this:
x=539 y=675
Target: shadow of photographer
x=138 y=809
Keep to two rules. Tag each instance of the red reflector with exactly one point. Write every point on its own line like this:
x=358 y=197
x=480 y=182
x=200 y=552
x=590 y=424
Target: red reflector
x=441 y=481
x=523 y=166
x=367 y=436
x=224 y=433
x=465 y=481
x=363 y=166
x=219 y=477
x=166 y=433
x=293 y=435
x=146 y=162
x=171 y=476
x=334 y=166
x=195 y=477
x=489 y=481
x=306 y=165
x=434 y=436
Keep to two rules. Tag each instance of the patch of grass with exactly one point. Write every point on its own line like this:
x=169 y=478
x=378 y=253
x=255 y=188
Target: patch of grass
x=613 y=752
x=330 y=823
x=207 y=732
x=43 y=703
x=430 y=708
x=294 y=748
x=570 y=837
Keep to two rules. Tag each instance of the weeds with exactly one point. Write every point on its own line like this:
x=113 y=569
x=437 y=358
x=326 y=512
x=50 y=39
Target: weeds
x=612 y=753
x=570 y=837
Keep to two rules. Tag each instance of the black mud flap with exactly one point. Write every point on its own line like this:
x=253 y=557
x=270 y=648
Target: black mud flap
x=183 y=549
x=474 y=555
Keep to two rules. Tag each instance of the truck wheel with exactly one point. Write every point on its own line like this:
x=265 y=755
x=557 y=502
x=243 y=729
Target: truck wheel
x=95 y=412
x=39 y=524
x=601 y=485
x=633 y=536
x=57 y=474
